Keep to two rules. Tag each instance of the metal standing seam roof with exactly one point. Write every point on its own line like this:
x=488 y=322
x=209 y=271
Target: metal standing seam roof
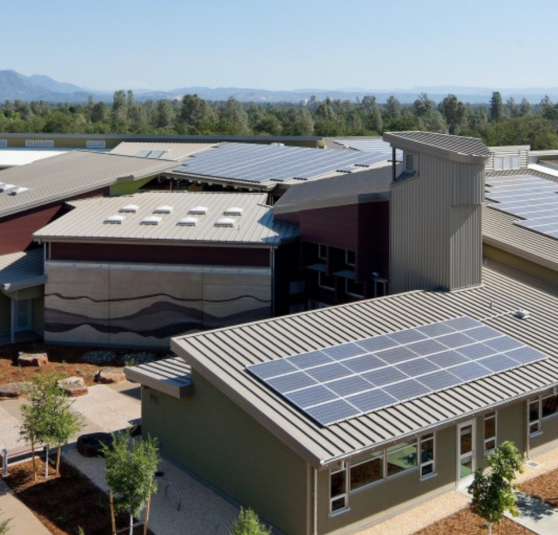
x=22 y=270
x=221 y=356
x=499 y=231
x=70 y=174
x=456 y=148
x=171 y=151
x=365 y=186
x=255 y=226
x=170 y=376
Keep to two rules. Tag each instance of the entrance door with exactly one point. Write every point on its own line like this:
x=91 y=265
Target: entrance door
x=23 y=316
x=465 y=452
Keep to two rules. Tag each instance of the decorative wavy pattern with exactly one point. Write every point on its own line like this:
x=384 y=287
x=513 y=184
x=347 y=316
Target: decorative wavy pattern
x=151 y=296
x=158 y=320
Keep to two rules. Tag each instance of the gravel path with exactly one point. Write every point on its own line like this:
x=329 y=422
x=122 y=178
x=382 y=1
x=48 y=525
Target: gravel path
x=181 y=505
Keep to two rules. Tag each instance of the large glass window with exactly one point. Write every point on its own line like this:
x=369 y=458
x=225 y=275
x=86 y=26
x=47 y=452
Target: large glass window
x=338 y=487
x=322 y=251
x=549 y=406
x=367 y=469
x=350 y=258
x=489 y=431
x=354 y=288
x=401 y=457
x=427 y=455
x=534 y=417
x=326 y=281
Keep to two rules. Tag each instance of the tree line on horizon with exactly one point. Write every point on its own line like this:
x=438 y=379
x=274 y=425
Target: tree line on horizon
x=496 y=122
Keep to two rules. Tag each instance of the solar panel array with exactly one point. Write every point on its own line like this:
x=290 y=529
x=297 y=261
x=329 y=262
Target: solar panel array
x=152 y=154
x=351 y=379
x=529 y=197
x=258 y=163
x=369 y=145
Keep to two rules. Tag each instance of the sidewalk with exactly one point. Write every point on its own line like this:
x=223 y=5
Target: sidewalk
x=23 y=522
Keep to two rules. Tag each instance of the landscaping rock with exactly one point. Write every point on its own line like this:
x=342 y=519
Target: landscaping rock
x=91 y=444
x=14 y=390
x=110 y=375
x=32 y=359
x=74 y=386
x=134 y=359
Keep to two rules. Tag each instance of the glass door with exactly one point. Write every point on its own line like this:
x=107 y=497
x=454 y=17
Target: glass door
x=465 y=451
x=23 y=316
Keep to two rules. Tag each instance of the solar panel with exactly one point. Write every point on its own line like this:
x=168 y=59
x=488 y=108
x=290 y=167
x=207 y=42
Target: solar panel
x=257 y=163
x=531 y=198
x=336 y=383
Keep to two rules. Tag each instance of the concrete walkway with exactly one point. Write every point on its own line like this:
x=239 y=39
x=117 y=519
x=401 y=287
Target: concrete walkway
x=537 y=516
x=23 y=522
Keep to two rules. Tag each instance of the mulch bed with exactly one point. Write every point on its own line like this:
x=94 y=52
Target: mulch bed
x=466 y=523
x=544 y=487
x=66 y=503
x=64 y=361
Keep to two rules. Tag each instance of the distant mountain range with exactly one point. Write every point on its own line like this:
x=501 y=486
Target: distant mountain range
x=14 y=85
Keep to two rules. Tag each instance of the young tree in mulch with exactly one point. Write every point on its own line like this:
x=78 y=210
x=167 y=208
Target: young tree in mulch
x=248 y=523
x=492 y=492
x=130 y=473
x=48 y=418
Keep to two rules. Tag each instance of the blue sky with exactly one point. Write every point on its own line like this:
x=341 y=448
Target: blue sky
x=283 y=44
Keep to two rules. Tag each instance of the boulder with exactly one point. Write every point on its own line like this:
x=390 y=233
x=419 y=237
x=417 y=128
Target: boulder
x=14 y=390
x=32 y=359
x=91 y=444
x=74 y=386
x=110 y=375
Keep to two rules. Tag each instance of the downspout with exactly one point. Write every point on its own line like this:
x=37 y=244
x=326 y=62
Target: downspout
x=12 y=322
x=315 y=526
x=273 y=279
x=393 y=164
x=528 y=429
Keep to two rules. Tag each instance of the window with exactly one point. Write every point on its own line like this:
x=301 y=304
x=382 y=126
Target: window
x=427 y=467
x=338 y=487
x=92 y=144
x=534 y=417
x=49 y=144
x=489 y=432
x=350 y=258
x=3 y=143
x=354 y=288
x=29 y=143
x=401 y=457
x=322 y=252
x=549 y=406
x=326 y=281
x=367 y=469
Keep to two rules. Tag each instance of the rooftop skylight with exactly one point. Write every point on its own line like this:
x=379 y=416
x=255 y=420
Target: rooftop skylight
x=115 y=219
x=198 y=210
x=165 y=209
x=234 y=210
x=6 y=187
x=225 y=222
x=129 y=208
x=17 y=191
x=188 y=221
x=151 y=220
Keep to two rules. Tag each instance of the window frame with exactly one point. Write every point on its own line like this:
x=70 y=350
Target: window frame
x=320 y=255
x=341 y=469
x=422 y=464
x=347 y=263
x=493 y=438
x=534 y=426
x=3 y=143
x=366 y=458
x=551 y=415
x=325 y=286
x=353 y=294
x=396 y=447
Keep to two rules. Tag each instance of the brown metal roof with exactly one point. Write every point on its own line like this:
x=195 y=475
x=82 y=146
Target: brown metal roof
x=456 y=148
x=67 y=175
x=221 y=356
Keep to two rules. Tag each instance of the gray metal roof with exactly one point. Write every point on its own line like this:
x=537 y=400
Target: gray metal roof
x=171 y=151
x=67 y=175
x=22 y=270
x=170 y=376
x=365 y=186
x=255 y=226
x=499 y=231
x=222 y=355
x=456 y=148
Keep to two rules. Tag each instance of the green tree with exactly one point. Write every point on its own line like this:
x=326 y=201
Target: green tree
x=248 y=523
x=496 y=107
x=454 y=113
x=492 y=493
x=533 y=130
x=393 y=108
x=130 y=473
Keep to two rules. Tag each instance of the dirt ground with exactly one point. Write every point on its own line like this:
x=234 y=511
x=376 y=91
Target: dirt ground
x=66 y=503
x=65 y=361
